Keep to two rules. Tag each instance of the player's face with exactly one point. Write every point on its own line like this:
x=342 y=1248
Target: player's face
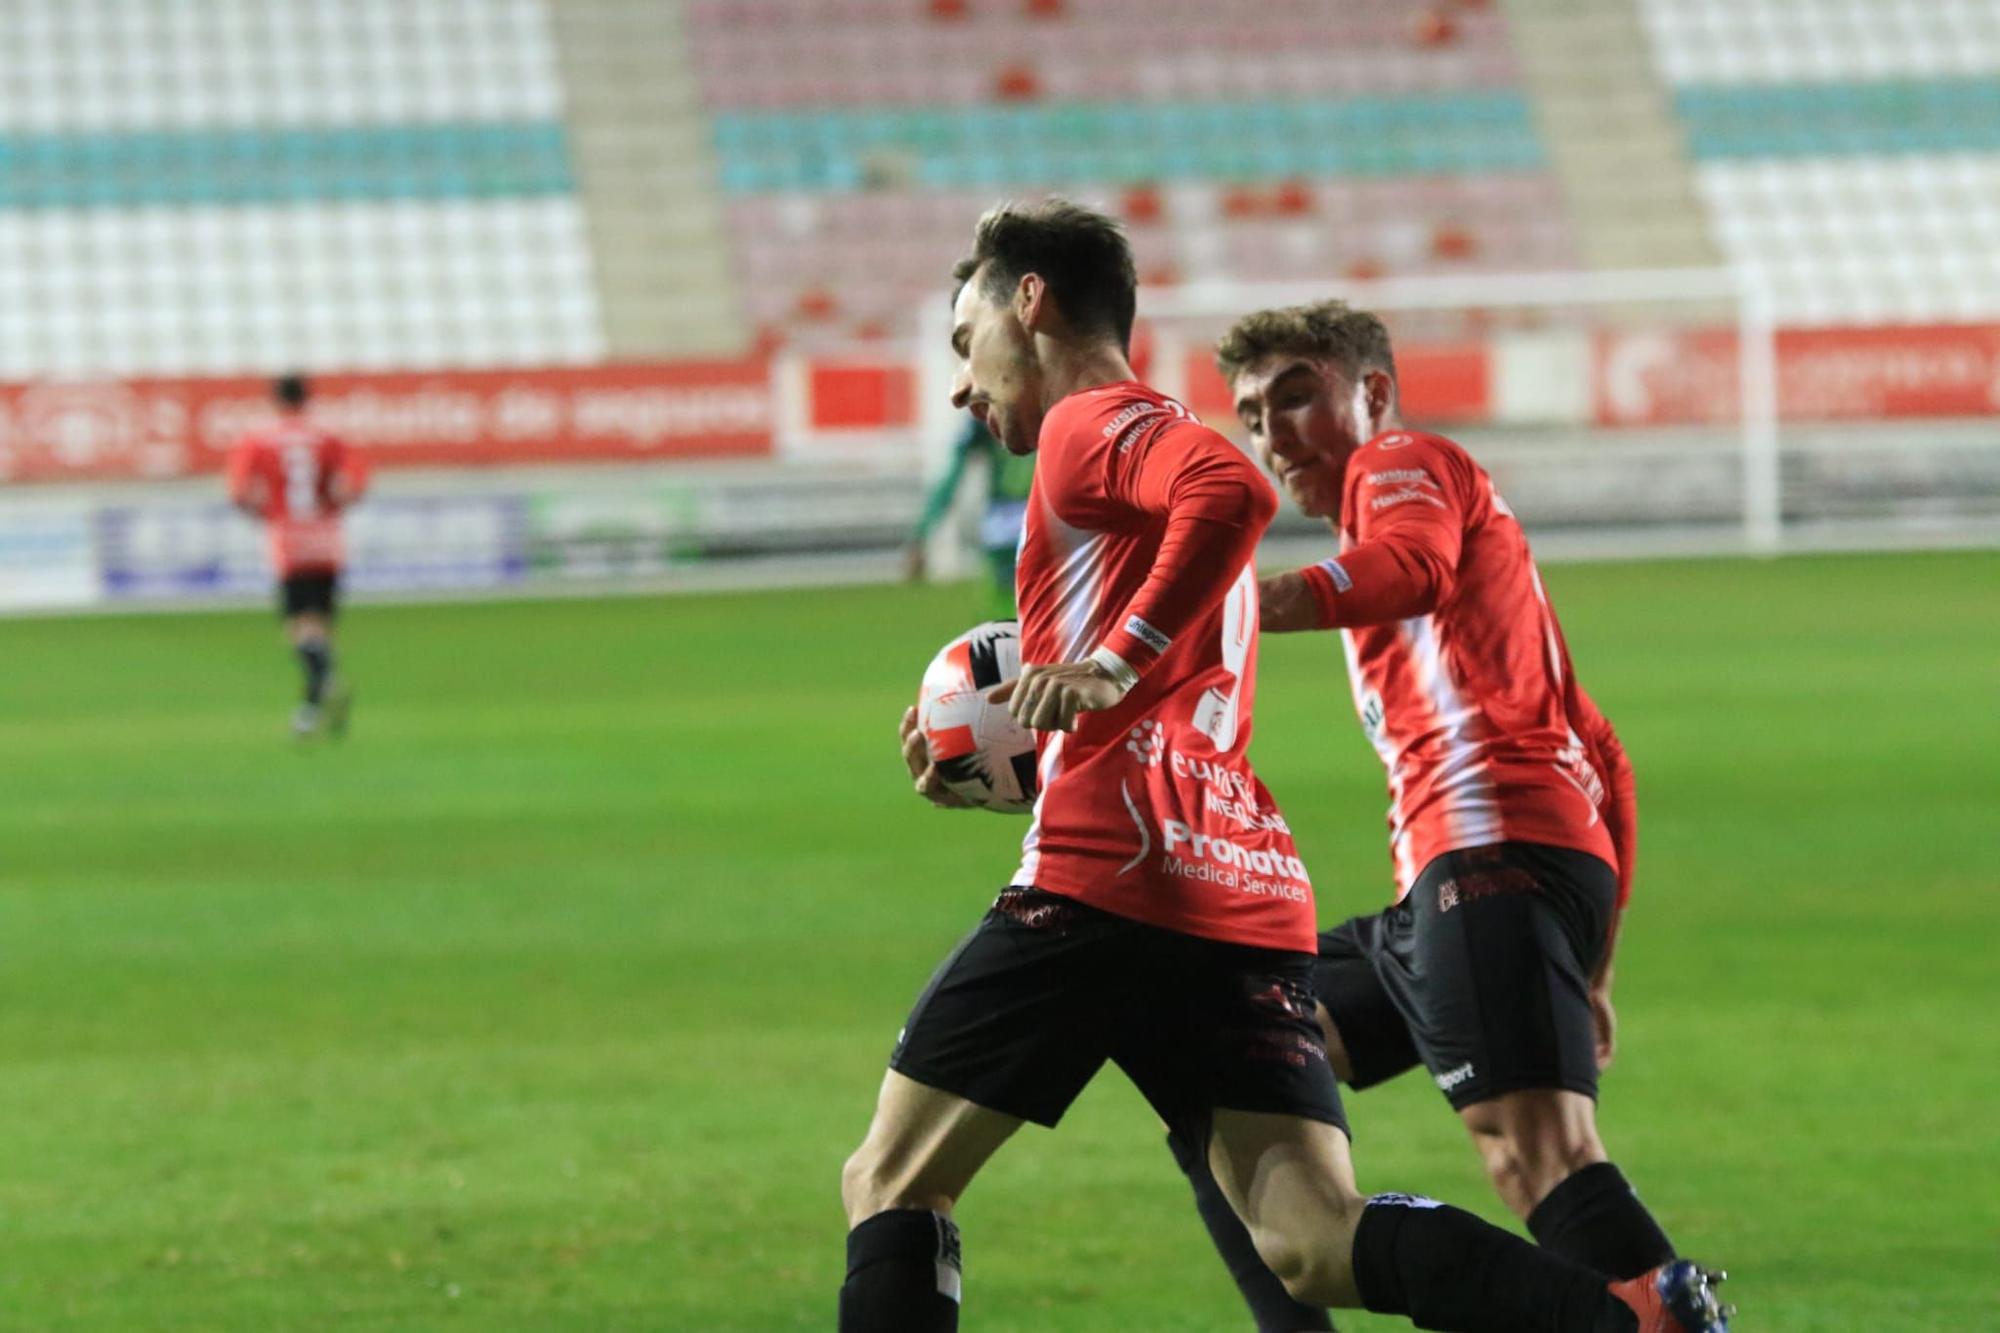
x=1305 y=422
x=997 y=380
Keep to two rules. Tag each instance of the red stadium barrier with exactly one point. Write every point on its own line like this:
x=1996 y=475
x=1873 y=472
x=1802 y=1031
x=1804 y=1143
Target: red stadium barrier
x=1668 y=378
x=168 y=428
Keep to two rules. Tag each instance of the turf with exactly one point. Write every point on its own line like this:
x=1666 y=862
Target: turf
x=554 y=998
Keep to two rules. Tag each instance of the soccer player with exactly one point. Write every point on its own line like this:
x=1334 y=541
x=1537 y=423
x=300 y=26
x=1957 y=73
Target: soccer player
x=1160 y=917
x=298 y=479
x=1513 y=822
x=1007 y=480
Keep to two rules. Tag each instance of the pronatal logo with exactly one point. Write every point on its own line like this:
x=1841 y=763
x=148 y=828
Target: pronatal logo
x=1223 y=852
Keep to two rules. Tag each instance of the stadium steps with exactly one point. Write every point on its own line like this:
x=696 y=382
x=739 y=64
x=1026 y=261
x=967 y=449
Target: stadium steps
x=1609 y=129
x=640 y=142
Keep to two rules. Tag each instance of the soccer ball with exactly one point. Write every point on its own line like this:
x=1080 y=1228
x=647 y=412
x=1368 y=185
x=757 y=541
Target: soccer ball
x=980 y=751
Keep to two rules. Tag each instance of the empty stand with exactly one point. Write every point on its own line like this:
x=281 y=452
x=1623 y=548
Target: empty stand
x=857 y=140
x=1848 y=152
x=246 y=185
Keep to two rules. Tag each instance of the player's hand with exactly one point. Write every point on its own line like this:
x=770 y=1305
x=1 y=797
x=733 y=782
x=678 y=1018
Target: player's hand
x=917 y=758
x=1048 y=698
x=1604 y=1019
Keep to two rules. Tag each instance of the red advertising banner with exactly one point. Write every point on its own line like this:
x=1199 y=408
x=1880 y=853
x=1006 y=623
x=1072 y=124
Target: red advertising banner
x=143 y=428
x=1439 y=383
x=1676 y=377
x=862 y=395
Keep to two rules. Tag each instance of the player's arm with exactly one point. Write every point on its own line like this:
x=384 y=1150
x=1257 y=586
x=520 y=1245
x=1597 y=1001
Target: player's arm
x=347 y=477
x=1286 y=602
x=1217 y=505
x=248 y=491
x=1409 y=528
x=1620 y=813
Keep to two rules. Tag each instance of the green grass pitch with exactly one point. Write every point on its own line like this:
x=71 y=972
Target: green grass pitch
x=554 y=999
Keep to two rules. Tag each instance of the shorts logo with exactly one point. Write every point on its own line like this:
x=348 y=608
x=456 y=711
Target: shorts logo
x=1147 y=742
x=1451 y=1078
x=1402 y=1201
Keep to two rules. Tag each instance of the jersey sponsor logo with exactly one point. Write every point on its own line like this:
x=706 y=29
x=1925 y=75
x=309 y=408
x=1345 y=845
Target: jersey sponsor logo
x=1403 y=497
x=1229 y=794
x=1147 y=635
x=1132 y=420
x=1138 y=822
x=1451 y=1078
x=1401 y=476
x=1147 y=742
x=1372 y=716
x=1215 y=852
x=1235 y=785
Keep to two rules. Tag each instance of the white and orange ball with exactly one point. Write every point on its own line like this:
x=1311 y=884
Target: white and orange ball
x=980 y=751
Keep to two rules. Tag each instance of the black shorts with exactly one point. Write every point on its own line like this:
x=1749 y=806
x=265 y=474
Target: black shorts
x=1481 y=973
x=1030 y=1005
x=315 y=592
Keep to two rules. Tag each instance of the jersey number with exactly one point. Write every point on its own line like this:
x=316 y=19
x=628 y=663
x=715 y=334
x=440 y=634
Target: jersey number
x=301 y=481
x=1216 y=714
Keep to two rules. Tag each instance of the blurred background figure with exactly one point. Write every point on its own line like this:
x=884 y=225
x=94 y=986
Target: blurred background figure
x=1006 y=480
x=297 y=479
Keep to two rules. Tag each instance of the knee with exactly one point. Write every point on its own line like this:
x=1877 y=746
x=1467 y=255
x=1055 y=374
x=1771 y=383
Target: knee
x=1312 y=1274
x=871 y=1185
x=1313 y=1256
x=862 y=1187
x=1526 y=1157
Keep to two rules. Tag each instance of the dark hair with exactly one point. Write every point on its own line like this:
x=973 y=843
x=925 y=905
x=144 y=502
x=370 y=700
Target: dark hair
x=291 y=390
x=1332 y=331
x=1079 y=252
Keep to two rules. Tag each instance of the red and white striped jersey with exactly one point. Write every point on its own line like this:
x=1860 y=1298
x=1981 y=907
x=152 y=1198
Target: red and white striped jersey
x=1140 y=532
x=288 y=473
x=1458 y=666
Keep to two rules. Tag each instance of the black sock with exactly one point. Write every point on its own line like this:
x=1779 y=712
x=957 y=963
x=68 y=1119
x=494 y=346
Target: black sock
x=902 y=1274
x=1445 y=1269
x=1269 y=1302
x=1593 y=1218
x=316 y=656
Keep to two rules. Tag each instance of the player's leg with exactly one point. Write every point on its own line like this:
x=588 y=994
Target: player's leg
x=1230 y=1055
x=1004 y=1032
x=1509 y=1036
x=922 y=1150
x=311 y=603
x=1541 y=1148
x=1000 y=581
x=1343 y=976
x=1441 y=1267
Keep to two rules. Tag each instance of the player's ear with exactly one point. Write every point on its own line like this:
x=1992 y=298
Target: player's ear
x=1031 y=301
x=1380 y=387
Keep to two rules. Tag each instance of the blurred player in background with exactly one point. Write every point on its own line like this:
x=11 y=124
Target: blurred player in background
x=1008 y=477
x=298 y=479
x=1160 y=917
x=1513 y=819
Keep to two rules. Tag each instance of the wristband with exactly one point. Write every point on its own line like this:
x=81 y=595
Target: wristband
x=1116 y=667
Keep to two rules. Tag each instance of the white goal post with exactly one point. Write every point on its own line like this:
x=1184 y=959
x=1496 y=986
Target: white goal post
x=1541 y=333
